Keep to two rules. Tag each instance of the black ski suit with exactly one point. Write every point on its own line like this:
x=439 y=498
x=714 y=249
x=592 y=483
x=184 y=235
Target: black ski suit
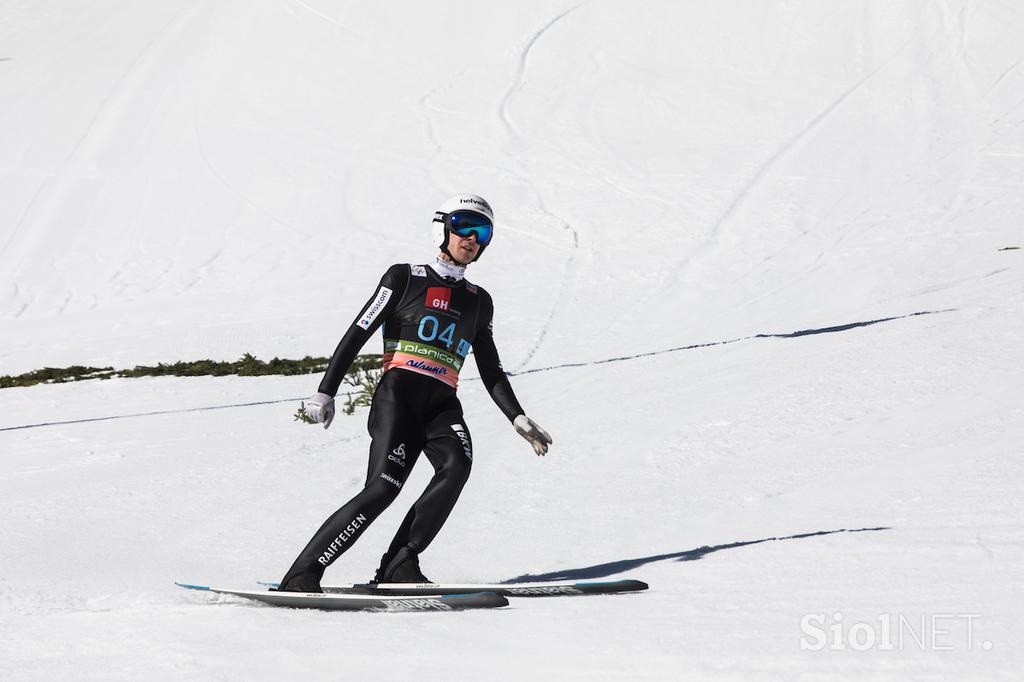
x=430 y=324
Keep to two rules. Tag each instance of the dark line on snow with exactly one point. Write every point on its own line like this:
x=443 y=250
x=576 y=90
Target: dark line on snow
x=150 y=414
x=788 y=335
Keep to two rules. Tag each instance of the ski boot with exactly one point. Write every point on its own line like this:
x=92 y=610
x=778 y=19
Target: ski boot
x=303 y=582
x=403 y=567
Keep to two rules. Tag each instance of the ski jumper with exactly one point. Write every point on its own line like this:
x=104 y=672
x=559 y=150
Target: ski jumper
x=430 y=324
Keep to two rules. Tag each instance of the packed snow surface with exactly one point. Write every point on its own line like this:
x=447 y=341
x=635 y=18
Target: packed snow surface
x=753 y=269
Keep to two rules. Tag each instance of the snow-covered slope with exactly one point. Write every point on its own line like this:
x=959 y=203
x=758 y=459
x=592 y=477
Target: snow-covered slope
x=680 y=188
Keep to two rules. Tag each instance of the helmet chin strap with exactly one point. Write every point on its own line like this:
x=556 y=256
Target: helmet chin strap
x=454 y=260
x=439 y=218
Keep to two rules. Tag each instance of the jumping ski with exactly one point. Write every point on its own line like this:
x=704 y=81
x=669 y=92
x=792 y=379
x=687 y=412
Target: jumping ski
x=536 y=589
x=364 y=602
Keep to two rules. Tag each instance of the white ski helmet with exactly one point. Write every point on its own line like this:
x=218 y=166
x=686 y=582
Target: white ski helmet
x=464 y=212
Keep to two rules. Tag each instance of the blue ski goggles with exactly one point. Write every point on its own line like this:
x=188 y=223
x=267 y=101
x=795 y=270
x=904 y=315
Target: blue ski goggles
x=466 y=223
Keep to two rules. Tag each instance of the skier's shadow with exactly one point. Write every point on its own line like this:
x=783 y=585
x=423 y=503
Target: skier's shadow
x=615 y=567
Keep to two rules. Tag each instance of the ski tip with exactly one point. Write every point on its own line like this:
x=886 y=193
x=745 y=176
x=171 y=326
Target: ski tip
x=188 y=586
x=627 y=585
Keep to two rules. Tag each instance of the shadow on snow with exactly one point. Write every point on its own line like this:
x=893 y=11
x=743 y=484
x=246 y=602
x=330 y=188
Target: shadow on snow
x=623 y=565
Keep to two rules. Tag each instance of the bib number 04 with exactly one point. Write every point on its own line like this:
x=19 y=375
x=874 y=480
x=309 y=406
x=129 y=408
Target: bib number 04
x=429 y=327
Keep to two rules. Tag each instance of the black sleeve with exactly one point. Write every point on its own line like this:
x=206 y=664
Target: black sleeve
x=494 y=377
x=380 y=306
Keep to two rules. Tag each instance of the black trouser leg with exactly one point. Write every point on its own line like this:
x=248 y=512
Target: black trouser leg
x=396 y=445
x=450 y=451
x=339 y=532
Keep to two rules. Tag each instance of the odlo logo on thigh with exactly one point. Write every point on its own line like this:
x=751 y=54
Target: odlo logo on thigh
x=398 y=455
x=464 y=437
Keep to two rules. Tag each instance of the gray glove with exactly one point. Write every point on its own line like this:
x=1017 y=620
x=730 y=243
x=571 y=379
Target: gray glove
x=536 y=436
x=320 y=409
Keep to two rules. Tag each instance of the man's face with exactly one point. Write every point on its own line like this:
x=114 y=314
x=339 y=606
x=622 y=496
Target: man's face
x=463 y=249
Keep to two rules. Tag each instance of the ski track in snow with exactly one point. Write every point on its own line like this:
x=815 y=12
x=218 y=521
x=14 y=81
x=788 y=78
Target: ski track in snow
x=520 y=77
x=339 y=23
x=426 y=107
x=199 y=273
x=119 y=96
x=564 y=286
x=21 y=218
x=569 y=270
x=808 y=128
x=103 y=122
x=805 y=131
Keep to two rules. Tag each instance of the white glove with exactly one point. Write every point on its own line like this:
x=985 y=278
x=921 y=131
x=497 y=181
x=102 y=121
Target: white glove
x=536 y=436
x=320 y=408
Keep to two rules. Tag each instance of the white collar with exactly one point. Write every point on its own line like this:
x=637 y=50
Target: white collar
x=448 y=269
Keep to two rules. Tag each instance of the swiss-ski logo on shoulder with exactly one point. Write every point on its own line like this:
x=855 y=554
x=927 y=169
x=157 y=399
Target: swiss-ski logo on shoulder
x=438 y=298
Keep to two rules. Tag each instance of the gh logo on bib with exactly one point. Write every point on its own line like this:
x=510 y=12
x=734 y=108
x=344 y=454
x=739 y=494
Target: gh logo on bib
x=438 y=298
